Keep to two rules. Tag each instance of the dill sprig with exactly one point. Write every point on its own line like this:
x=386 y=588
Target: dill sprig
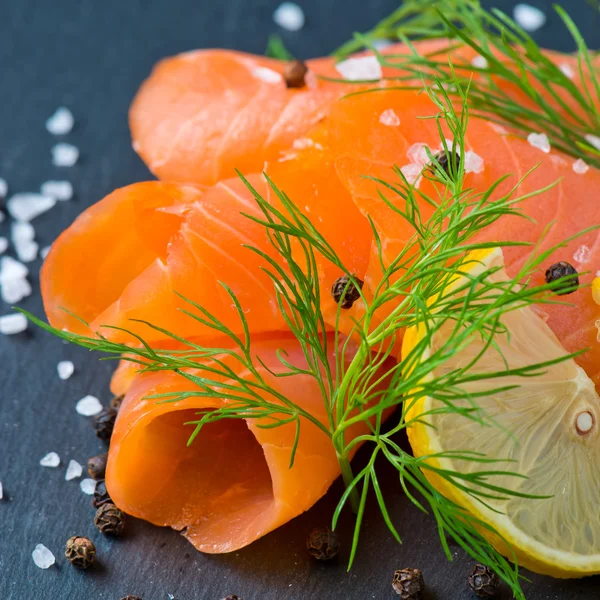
x=551 y=102
x=429 y=284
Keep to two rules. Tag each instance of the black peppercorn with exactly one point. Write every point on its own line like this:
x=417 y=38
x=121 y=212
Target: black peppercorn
x=448 y=161
x=116 y=402
x=232 y=597
x=110 y=519
x=563 y=270
x=105 y=423
x=101 y=496
x=294 y=74
x=323 y=544
x=344 y=288
x=130 y=597
x=409 y=584
x=97 y=466
x=483 y=582
x=80 y=552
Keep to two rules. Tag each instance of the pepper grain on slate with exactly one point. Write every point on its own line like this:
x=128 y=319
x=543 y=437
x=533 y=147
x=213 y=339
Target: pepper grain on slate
x=562 y=270
x=232 y=597
x=105 y=423
x=323 y=544
x=110 y=519
x=97 y=466
x=294 y=74
x=115 y=402
x=80 y=552
x=483 y=582
x=409 y=584
x=101 y=496
x=344 y=292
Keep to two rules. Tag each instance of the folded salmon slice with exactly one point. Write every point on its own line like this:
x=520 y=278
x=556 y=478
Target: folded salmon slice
x=234 y=483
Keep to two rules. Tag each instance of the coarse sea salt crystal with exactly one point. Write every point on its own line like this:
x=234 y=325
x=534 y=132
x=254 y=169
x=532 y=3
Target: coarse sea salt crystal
x=480 y=62
x=363 y=68
x=65 y=369
x=567 y=70
x=88 y=406
x=74 y=470
x=25 y=207
x=11 y=269
x=390 y=118
x=290 y=16
x=473 y=162
x=64 y=155
x=583 y=254
x=88 y=486
x=593 y=140
x=61 y=122
x=3 y=188
x=417 y=154
x=42 y=557
x=61 y=190
x=412 y=172
x=50 y=460
x=267 y=75
x=12 y=324
x=539 y=141
x=3 y=245
x=23 y=235
x=580 y=166
x=15 y=290
x=529 y=17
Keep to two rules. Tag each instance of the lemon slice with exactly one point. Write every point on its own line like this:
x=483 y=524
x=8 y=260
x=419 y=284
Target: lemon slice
x=549 y=427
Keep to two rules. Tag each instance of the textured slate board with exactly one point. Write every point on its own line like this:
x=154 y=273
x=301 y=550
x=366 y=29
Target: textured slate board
x=92 y=56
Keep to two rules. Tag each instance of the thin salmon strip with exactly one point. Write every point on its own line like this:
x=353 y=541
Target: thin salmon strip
x=234 y=483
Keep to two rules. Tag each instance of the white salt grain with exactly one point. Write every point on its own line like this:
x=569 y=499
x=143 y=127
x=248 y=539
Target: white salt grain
x=473 y=162
x=417 y=154
x=42 y=557
x=74 y=470
x=3 y=188
x=364 y=68
x=50 y=460
x=529 y=17
x=412 y=172
x=64 y=155
x=12 y=324
x=479 y=62
x=65 y=369
x=390 y=118
x=580 y=166
x=11 y=269
x=1 y=491
x=44 y=251
x=540 y=141
x=88 y=486
x=61 y=190
x=289 y=16
x=14 y=290
x=88 y=406
x=582 y=255
x=61 y=122
x=267 y=75
x=567 y=70
x=3 y=245
x=593 y=140
x=25 y=207
x=23 y=235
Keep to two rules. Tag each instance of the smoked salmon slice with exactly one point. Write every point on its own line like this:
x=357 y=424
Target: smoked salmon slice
x=233 y=483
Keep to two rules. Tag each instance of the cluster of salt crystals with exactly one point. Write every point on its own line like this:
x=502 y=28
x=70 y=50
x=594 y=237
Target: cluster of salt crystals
x=23 y=237
x=290 y=16
x=42 y=557
x=583 y=254
x=60 y=190
x=529 y=17
x=539 y=141
x=267 y=75
x=61 y=122
x=580 y=166
x=50 y=460
x=88 y=486
x=74 y=470
x=28 y=206
x=88 y=406
x=14 y=284
x=389 y=118
x=64 y=155
x=65 y=369
x=593 y=140
x=362 y=68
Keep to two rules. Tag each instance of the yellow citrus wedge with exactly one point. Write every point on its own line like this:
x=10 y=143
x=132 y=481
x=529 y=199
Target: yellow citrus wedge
x=548 y=426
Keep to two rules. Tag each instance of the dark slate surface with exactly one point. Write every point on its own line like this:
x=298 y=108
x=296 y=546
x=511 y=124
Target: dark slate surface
x=91 y=56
